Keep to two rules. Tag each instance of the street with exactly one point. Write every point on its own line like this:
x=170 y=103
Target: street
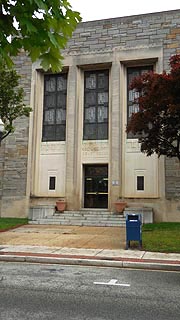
x=39 y=291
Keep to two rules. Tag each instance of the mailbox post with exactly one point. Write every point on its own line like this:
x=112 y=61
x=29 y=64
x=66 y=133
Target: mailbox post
x=133 y=229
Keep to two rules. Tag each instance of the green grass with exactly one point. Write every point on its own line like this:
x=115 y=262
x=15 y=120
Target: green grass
x=161 y=237
x=8 y=223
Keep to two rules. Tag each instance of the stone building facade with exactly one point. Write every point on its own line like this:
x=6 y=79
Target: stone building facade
x=74 y=145
x=14 y=190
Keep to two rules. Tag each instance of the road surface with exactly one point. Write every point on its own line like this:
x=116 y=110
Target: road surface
x=39 y=291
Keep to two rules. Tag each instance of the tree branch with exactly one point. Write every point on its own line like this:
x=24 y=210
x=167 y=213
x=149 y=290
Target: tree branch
x=5 y=135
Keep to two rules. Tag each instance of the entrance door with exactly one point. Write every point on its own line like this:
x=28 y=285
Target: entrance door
x=96 y=186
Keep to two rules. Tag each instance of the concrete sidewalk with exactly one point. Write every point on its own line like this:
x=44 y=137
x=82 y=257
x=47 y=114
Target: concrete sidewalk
x=100 y=246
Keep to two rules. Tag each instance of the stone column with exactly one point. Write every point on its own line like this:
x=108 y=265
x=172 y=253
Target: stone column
x=115 y=135
x=71 y=137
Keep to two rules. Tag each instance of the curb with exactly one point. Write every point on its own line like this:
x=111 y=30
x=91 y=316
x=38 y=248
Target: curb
x=92 y=262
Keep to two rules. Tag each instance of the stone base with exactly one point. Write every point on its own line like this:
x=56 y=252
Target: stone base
x=147 y=213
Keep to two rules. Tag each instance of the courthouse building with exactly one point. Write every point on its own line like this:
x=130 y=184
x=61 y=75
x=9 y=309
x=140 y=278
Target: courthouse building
x=74 y=146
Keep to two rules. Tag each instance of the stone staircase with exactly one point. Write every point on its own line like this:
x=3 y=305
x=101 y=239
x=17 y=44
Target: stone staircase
x=90 y=217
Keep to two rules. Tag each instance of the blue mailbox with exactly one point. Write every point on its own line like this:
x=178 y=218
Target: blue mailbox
x=133 y=229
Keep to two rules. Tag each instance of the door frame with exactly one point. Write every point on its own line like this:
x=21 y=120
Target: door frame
x=98 y=194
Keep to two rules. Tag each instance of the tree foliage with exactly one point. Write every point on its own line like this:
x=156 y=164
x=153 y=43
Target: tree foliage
x=40 y=27
x=11 y=100
x=158 y=119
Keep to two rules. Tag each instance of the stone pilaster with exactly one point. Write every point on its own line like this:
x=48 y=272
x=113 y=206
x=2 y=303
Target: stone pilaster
x=70 y=138
x=115 y=134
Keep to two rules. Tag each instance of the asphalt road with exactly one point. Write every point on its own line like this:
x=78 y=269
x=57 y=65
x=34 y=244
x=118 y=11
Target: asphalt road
x=36 y=291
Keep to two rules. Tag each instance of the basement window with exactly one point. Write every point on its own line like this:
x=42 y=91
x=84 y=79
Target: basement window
x=140 y=183
x=52 y=183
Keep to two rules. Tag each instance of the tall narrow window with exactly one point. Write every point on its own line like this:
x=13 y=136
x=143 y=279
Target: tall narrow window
x=52 y=183
x=132 y=95
x=140 y=183
x=96 y=105
x=54 y=116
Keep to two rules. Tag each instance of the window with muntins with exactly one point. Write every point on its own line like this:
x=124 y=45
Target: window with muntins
x=132 y=95
x=96 y=105
x=54 y=111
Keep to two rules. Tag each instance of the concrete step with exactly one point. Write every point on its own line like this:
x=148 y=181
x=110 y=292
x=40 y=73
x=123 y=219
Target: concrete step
x=79 y=223
x=77 y=218
x=98 y=218
x=86 y=214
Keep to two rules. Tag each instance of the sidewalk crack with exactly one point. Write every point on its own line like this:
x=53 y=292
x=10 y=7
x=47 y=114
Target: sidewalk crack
x=101 y=250
x=142 y=257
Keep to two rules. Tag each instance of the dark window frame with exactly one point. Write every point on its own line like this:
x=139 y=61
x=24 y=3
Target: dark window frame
x=97 y=129
x=54 y=108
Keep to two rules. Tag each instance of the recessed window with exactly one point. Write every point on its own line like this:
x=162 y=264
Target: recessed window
x=54 y=111
x=96 y=105
x=132 y=95
x=52 y=183
x=140 y=183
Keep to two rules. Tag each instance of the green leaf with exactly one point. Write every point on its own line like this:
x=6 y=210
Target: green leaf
x=49 y=33
x=53 y=39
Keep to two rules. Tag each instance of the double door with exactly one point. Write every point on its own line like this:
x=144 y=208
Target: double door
x=96 y=186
